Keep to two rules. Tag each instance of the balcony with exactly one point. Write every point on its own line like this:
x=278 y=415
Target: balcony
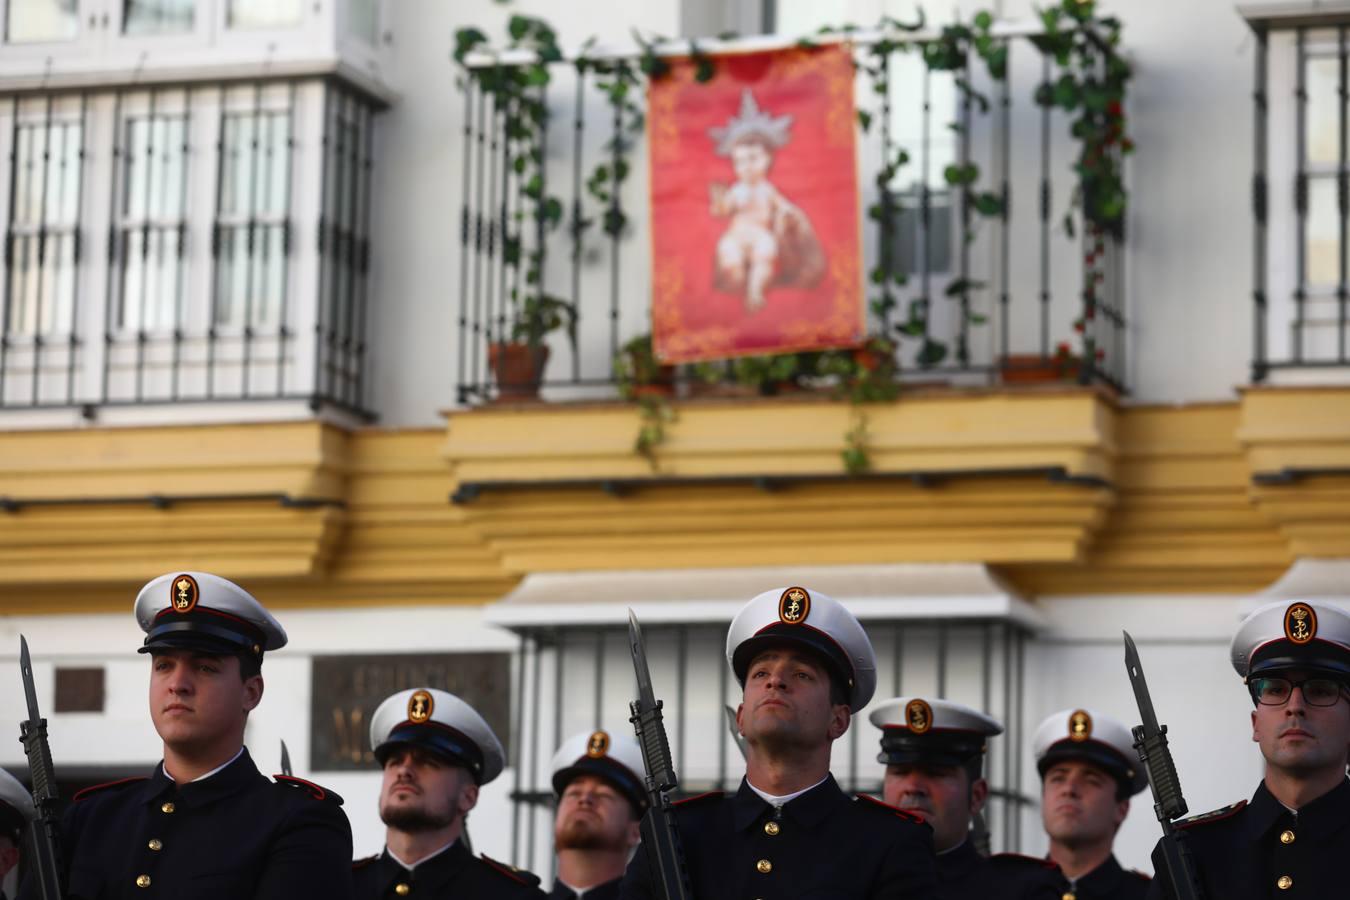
x=983 y=267
x=186 y=243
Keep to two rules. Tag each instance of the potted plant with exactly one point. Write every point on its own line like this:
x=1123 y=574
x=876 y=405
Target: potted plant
x=772 y=374
x=1033 y=368
x=639 y=373
x=518 y=363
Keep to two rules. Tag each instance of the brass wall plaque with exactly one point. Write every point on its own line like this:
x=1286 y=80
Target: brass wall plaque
x=346 y=689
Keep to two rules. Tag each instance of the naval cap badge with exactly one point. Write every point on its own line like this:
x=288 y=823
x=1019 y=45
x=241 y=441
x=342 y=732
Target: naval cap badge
x=183 y=594
x=419 y=707
x=794 y=606
x=1300 y=623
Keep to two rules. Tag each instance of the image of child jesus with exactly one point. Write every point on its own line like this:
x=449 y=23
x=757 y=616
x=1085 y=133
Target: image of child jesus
x=769 y=240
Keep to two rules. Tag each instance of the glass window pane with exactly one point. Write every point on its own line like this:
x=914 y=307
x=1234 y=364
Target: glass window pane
x=265 y=13
x=58 y=283
x=1323 y=233
x=34 y=21
x=1323 y=124
x=277 y=141
x=232 y=276
x=133 y=280
x=46 y=191
x=363 y=20
x=63 y=174
x=137 y=168
x=158 y=16
x=23 y=277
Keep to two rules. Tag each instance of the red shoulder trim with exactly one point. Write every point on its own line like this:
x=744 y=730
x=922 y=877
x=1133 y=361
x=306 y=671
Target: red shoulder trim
x=703 y=796
x=362 y=863
x=893 y=810
x=1140 y=875
x=1217 y=815
x=80 y=795
x=1048 y=864
x=509 y=871
x=315 y=791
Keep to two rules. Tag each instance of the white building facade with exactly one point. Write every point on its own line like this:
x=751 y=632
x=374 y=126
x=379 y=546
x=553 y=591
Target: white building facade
x=254 y=254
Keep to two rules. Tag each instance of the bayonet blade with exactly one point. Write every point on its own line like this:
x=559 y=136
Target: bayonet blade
x=1141 y=694
x=735 y=730
x=26 y=669
x=285 y=759
x=646 y=695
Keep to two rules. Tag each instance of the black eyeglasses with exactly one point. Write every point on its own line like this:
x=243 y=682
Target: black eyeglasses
x=1274 y=691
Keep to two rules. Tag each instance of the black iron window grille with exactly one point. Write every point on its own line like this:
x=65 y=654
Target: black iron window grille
x=1301 y=212
x=1030 y=292
x=151 y=233
x=39 y=346
x=570 y=679
x=44 y=226
x=251 y=241
x=237 y=246
x=344 y=247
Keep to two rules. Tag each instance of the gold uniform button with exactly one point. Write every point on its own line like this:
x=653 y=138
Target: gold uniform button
x=402 y=889
x=764 y=867
x=1069 y=895
x=156 y=844
x=142 y=881
x=771 y=828
x=167 y=807
x=1286 y=837
x=1285 y=883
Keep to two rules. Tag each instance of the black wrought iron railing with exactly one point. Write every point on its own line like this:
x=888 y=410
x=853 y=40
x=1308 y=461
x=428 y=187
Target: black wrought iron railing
x=237 y=247
x=1301 y=190
x=1004 y=287
x=572 y=679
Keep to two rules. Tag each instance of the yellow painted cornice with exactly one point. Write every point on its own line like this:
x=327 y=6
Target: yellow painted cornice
x=301 y=460
x=1297 y=442
x=1072 y=430
x=1015 y=477
x=335 y=516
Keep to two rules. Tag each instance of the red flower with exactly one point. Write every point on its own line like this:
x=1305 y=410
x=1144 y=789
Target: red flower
x=1114 y=108
x=1101 y=354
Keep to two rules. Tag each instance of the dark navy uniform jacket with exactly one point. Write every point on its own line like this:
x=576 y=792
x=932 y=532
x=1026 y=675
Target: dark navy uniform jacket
x=454 y=874
x=1106 y=882
x=607 y=891
x=236 y=834
x=963 y=874
x=823 y=845
x=1261 y=849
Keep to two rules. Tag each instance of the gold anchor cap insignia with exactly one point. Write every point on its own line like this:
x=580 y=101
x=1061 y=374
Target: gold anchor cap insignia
x=419 y=707
x=794 y=606
x=1300 y=623
x=183 y=594
x=919 y=716
x=1080 y=726
x=598 y=745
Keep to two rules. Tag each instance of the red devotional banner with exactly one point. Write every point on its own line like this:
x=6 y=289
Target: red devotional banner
x=756 y=244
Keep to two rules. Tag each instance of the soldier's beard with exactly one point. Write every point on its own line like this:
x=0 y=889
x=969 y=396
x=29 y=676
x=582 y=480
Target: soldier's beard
x=416 y=821
x=583 y=834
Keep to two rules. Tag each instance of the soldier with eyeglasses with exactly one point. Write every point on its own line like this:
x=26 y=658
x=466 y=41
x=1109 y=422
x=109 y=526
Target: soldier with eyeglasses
x=1293 y=838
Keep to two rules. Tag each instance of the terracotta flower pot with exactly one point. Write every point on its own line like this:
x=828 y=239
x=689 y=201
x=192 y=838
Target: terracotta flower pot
x=517 y=369
x=1032 y=368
